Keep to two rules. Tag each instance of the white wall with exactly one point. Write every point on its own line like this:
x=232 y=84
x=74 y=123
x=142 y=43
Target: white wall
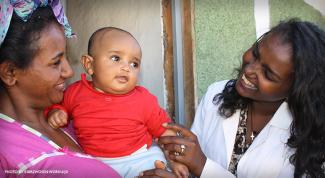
x=142 y=18
x=317 y=4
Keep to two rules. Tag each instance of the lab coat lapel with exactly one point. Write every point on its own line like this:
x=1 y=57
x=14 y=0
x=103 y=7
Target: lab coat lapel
x=281 y=119
x=260 y=139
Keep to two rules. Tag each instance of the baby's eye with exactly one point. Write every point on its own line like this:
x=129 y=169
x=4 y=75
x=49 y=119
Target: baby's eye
x=115 y=58
x=134 y=65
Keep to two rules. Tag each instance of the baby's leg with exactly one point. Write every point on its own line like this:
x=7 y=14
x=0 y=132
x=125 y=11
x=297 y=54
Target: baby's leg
x=146 y=160
x=131 y=166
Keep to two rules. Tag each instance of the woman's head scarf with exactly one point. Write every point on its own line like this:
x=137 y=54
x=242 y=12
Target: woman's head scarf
x=24 y=9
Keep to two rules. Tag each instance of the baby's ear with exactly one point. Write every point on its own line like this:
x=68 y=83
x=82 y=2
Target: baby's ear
x=8 y=73
x=87 y=63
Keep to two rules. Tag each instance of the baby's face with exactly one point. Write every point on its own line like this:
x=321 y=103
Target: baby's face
x=116 y=66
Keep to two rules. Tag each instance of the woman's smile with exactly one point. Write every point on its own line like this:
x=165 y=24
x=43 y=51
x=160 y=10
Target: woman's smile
x=61 y=87
x=246 y=83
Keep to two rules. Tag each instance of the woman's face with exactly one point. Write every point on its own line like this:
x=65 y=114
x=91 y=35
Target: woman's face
x=43 y=82
x=267 y=71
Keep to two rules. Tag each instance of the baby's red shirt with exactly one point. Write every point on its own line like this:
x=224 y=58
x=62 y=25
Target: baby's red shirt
x=108 y=125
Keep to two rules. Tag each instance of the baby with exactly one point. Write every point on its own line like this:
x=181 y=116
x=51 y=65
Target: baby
x=114 y=119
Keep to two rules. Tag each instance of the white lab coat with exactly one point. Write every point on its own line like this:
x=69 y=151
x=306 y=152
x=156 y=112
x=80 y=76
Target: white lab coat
x=267 y=157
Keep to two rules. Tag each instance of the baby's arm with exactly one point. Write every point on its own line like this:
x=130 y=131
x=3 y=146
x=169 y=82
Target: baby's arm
x=169 y=132
x=178 y=168
x=57 y=118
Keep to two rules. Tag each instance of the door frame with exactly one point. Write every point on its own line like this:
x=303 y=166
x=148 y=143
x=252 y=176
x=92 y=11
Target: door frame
x=187 y=11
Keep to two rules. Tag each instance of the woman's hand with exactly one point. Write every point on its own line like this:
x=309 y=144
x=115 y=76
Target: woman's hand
x=184 y=149
x=159 y=172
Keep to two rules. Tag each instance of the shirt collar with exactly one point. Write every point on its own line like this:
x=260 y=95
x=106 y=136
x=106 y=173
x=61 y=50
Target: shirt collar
x=282 y=117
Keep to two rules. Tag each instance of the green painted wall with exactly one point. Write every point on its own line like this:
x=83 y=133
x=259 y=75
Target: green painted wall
x=281 y=10
x=224 y=29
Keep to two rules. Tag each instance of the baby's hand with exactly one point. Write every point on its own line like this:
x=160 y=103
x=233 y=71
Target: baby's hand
x=160 y=164
x=57 y=118
x=179 y=169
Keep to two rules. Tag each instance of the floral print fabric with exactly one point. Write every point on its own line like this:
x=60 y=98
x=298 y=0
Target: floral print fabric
x=241 y=144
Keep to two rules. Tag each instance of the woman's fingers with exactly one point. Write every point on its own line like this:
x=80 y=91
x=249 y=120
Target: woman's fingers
x=172 y=140
x=184 y=132
x=185 y=149
x=179 y=148
x=153 y=173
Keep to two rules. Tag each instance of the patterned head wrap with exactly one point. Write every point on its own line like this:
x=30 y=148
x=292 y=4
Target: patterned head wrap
x=24 y=9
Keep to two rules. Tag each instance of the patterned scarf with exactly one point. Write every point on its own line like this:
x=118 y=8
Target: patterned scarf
x=24 y=9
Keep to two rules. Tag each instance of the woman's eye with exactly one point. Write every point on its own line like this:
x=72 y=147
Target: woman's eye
x=58 y=62
x=268 y=75
x=254 y=54
x=134 y=65
x=115 y=58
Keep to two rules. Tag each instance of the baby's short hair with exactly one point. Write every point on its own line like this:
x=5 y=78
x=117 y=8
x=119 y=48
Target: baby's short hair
x=92 y=38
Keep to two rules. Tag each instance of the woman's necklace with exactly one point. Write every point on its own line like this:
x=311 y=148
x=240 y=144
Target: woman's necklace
x=254 y=133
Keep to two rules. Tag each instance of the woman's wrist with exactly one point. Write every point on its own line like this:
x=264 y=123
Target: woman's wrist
x=197 y=171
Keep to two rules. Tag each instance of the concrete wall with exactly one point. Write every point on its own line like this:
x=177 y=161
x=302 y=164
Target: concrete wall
x=224 y=29
x=140 y=17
